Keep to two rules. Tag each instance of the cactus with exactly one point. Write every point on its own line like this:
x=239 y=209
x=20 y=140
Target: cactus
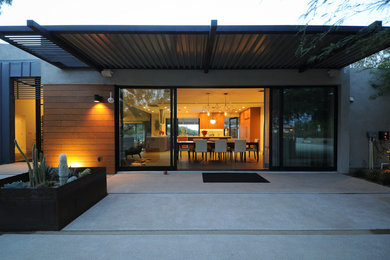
x=15 y=185
x=63 y=169
x=85 y=172
x=36 y=173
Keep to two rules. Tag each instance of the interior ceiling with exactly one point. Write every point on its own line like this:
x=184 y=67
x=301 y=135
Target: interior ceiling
x=191 y=102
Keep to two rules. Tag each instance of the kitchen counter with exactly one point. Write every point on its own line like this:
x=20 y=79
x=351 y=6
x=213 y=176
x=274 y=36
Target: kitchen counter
x=191 y=138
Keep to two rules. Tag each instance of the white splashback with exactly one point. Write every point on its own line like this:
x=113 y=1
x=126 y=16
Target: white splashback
x=213 y=132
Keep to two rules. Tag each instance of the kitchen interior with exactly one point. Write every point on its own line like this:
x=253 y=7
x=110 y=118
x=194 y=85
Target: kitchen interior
x=202 y=113
x=220 y=113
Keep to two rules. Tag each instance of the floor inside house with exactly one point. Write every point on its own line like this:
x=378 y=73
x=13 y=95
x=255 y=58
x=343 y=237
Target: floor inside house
x=199 y=163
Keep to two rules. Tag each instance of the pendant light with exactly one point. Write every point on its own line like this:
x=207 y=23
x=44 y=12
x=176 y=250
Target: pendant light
x=225 y=104
x=208 y=104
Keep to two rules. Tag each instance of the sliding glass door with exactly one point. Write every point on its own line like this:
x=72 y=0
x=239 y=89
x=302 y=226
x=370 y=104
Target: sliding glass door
x=303 y=128
x=144 y=138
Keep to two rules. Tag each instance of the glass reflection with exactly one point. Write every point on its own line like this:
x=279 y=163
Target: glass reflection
x=143 y=139
x=308 y=127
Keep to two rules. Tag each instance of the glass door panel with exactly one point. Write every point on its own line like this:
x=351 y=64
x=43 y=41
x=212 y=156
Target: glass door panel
x=143 y=137
x=303 y=127
x=308 y=127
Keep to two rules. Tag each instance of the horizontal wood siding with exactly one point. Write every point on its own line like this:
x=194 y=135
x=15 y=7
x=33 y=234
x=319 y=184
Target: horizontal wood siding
x=73 y=124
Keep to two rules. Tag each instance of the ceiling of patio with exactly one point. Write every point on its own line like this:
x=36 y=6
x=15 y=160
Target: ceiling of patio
x=196 y=47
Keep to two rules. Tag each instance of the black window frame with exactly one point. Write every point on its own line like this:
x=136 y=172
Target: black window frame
x=336 y=89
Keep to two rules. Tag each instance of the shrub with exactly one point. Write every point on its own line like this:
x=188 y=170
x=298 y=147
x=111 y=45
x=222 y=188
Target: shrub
x=373 y=175
x=384 y=177
x=360 y=173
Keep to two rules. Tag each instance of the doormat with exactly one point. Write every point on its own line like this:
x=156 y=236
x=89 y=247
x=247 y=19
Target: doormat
x=232 y=177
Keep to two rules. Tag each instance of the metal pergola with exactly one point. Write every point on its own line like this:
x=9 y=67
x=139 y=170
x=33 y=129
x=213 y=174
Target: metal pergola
x=204 y=48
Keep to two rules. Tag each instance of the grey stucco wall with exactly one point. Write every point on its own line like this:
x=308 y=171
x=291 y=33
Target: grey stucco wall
x=9 y=52
x=226 y=78
x=365 y=115
x=54 y=75
x=13 y=63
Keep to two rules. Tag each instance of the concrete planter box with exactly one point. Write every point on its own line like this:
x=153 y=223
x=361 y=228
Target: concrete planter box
x=49 y=208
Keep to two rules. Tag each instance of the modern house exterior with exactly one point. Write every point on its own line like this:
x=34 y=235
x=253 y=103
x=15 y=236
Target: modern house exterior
x=137 y=97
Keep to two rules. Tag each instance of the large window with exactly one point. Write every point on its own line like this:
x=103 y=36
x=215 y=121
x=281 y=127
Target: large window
x=303 y=127
x=188 y=126
x=143 y=139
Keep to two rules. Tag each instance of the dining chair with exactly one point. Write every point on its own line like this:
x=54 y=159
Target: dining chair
x=183 y=148
x=253 y=148
x=200 y=147
x=239 y=147
x=220 y=148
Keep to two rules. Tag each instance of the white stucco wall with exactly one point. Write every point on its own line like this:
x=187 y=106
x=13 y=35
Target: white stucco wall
x=365 y=115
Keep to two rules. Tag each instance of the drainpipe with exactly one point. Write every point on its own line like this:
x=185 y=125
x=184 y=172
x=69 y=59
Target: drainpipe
x=371 y=139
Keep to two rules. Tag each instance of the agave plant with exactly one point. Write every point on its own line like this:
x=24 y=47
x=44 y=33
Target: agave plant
x=37 y=173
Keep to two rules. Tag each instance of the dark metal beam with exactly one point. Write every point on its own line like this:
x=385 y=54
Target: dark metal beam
x=210 y=45
x=201 y=29
x=365 y=32
x=57 y=64
x=62 y=44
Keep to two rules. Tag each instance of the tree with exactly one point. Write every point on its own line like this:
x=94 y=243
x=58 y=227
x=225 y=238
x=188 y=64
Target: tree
x=336 y=12
x=381 y=75
x=8 y=2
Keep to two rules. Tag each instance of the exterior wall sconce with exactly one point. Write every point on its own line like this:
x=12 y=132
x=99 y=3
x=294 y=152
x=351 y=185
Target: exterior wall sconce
x=98 y=99
x=110 y=99
x=107 y=73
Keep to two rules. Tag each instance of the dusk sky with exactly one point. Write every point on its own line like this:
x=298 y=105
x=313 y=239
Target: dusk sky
x=167 y=12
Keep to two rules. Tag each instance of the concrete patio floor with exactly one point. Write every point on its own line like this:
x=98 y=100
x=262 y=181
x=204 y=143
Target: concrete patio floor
x=8 y=170
x=176 y=216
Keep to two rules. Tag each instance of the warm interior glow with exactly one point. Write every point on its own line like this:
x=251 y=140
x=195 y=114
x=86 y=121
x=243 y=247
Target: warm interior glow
x=213 y=121
x=75 y=164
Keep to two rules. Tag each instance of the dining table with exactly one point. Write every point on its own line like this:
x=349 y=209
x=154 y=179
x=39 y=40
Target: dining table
x=191 y=144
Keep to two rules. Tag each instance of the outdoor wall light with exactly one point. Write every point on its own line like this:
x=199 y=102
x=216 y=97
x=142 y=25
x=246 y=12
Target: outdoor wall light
x=110 y=99
x=97 y=99
x=107 y=73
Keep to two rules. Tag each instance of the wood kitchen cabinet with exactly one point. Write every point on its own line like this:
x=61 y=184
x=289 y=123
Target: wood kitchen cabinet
x=205 y=121
x=250 y=124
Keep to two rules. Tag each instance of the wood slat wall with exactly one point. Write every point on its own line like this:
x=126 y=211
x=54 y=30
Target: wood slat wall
x=73 y=124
